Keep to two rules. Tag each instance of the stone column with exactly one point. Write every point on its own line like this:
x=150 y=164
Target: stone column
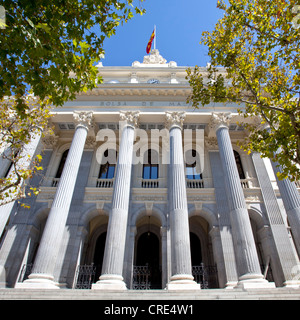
x=181 y=278
x=42 y=275
x=286 y=255
x=245 y=250
x=290 y=197
x=291 y=201
x=128 y=265
x=164 y=249
x=228 y=276
x=112 y=269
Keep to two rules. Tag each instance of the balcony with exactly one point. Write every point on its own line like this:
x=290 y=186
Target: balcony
x=194 y=184
x=104 y=183
x=150 y=183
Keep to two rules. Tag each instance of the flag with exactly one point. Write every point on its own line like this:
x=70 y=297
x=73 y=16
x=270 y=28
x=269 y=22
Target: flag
x=148 y=49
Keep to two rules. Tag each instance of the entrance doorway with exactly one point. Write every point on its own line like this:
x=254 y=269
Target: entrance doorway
x=196 y=254
x=146 y=272
x=98 y=255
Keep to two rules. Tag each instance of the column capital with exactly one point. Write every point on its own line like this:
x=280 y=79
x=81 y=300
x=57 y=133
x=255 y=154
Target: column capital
x=174 y=119
x=130 y=117
x=219 y=120
x=83 y=119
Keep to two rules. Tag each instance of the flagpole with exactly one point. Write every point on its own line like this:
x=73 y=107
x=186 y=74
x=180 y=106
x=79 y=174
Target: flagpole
x=155 y=37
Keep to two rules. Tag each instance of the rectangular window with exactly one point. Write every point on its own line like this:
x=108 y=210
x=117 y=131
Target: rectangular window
x=107 y=171
x=150 y=171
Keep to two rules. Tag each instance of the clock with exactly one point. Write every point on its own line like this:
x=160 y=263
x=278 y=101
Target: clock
x=153 y=81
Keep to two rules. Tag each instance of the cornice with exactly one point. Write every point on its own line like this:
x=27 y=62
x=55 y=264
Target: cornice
x=139 y=89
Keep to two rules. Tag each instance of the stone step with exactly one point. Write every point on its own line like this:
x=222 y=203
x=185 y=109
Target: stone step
x=153 y=295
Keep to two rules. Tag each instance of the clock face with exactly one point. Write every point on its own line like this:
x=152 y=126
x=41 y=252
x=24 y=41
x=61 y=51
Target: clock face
x=153 y=81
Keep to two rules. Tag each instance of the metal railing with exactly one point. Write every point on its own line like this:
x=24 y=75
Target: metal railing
x=85 y=276
x=141 y=278
x=206 y=276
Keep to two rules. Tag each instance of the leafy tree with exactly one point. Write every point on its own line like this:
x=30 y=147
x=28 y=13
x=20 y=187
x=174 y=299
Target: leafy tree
x=257 y=44
x=48 y=49
x=18 y=164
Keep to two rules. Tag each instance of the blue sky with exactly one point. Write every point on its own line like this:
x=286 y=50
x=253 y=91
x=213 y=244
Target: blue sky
x=179 y=24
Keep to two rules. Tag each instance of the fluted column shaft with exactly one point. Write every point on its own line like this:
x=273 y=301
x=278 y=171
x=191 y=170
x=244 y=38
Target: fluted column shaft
x=181 y=256
x=287 y=259
x=245 y=250
x=178 y=210
x=112 y=268
x=291 y=201
x=246 y=254
x=116 y=233
x=48 y=251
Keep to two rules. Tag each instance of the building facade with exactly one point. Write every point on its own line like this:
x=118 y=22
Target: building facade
x=141 y=191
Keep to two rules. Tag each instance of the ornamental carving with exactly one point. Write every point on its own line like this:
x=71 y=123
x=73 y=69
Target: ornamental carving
x=174 y=119
x=83 y=118
x=211 y=143
x=50 y=142
x=219 y=120
x=154 y=58
x=130 y=117
x=90 y=142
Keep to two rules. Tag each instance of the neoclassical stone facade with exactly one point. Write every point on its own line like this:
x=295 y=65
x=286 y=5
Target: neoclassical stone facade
x=139 y=191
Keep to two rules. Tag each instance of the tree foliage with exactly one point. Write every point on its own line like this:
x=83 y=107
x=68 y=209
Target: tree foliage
x=257 y=44
x=44 y=41
x=18 y=163
x=48 y=49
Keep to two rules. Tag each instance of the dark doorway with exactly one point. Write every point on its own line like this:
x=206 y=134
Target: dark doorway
x=196 y=254
x=98 y=255
x=148 y=255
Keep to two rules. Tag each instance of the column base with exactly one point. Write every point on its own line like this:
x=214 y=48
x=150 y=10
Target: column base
x=230 y=285
x=182 y=282
x=38 y=281
x=254 y=281
x=110 y=282
x=292 y=284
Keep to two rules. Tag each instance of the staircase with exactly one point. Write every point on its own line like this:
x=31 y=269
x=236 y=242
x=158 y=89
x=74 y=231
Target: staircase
x=158 y=295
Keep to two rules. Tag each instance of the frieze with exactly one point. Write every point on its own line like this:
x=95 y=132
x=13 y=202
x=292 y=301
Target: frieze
x=144 y=103
x=150 y=198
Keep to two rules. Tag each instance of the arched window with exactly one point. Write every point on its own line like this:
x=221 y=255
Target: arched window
x=107 y=170
x=61 y=164
x=150 y=166
x=192 y=170
x=239 y=165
